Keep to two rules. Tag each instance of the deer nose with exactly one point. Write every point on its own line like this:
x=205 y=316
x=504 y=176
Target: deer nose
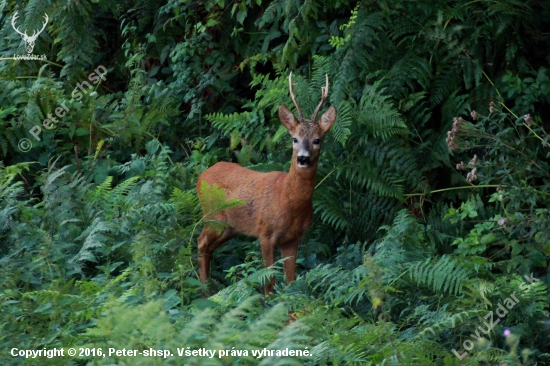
x=303 y=160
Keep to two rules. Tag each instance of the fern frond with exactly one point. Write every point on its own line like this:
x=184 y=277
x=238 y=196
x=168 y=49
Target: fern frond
x=378 y=115
x=445 y=275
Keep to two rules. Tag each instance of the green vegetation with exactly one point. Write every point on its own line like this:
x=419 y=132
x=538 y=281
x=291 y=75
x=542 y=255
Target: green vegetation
x=433 y=196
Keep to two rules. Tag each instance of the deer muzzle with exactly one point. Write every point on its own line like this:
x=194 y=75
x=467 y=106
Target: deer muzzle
x=303 y=161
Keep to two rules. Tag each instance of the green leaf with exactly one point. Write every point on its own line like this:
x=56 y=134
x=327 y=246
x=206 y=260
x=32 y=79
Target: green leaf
x=44 y=308
x=487 y=238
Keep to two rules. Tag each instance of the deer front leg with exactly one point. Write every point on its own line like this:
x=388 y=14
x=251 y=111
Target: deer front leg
x=290 y=250
x=268 y=253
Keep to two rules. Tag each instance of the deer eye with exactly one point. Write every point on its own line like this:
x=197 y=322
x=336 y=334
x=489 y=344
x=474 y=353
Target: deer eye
x=295 y=140
x=316 y=141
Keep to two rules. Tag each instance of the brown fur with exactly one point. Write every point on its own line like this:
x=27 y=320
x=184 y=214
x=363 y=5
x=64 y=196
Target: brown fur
x=279 y=205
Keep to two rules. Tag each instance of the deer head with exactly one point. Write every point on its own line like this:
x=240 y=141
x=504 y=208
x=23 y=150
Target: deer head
x=307 y=134
x=29 y=40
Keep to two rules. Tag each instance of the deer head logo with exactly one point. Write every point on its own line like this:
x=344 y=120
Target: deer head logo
x=29 y=40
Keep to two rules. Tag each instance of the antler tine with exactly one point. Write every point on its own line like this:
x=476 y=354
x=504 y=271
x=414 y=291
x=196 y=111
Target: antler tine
x=45 y=23
x=324 y=94
x=294 y=98
x=13 y=19
x=35 y=33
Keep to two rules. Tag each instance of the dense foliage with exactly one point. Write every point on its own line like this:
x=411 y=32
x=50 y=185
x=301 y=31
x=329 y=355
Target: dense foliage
x=432 y=207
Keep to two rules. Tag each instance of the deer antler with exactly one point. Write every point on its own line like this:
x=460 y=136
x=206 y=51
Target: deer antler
x=13 y=18
x=35 y=34
x=294 y=99
x=324 y=94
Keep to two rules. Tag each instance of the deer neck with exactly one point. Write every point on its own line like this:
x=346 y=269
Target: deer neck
x=300 y=182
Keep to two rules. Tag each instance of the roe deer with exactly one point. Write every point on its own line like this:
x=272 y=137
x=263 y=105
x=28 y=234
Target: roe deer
x=278 y=206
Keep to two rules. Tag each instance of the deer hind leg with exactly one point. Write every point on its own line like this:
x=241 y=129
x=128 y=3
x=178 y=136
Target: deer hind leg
x=208 y=241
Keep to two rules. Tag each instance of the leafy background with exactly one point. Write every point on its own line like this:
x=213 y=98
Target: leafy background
x=433 y=187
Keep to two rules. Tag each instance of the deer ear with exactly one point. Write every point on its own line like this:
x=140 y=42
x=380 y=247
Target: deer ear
x=327 y=119
x=287 y=118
